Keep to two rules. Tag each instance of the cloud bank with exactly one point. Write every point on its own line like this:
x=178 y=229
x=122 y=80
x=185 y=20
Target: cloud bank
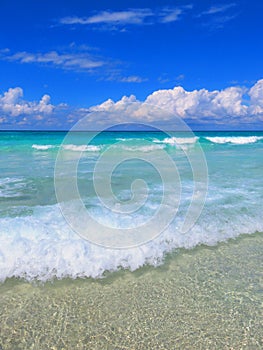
x=231 y=107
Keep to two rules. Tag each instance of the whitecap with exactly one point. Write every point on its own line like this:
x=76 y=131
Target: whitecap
x=82 y=148
x=42 y=246
x=178 y=140
x=238 y=140
x=42 y=147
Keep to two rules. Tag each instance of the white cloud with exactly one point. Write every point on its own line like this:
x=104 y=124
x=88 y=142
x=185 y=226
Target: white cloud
x=169 y=14
x=132 y=16
x=217 y=15
x=139 y=16
x=219 y=22
x=229 y=102
x=217 y=9
x=256 y=98
x=180 y=77
x=132 y=79
x=12 y=104
x=71 y=61
x=79 y=61
x=136 y=16
x=232 y=106
x=227 y=106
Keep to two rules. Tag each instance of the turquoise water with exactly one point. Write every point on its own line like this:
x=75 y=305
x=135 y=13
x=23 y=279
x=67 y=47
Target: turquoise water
x=36 y=240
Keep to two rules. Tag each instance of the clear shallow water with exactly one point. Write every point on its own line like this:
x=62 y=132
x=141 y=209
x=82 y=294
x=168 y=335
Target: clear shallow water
x=204 y=294
x=37 y=243
x=204 y=298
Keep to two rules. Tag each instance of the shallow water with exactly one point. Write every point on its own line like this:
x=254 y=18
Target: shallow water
x=204 y=298
x=201 y=289
x=37 y=243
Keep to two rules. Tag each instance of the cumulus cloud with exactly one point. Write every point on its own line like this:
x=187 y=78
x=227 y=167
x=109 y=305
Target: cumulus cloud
x=198 y=104
x=232 y=107
x=12 y=104
x=256 y=98
x=227 y=106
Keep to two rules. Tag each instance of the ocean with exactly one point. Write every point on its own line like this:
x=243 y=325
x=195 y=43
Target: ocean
x=115 y=295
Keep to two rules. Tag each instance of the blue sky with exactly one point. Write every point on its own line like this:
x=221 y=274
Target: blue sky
x=202 y=60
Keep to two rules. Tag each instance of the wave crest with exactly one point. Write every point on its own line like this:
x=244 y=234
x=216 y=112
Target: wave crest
x=237 y=140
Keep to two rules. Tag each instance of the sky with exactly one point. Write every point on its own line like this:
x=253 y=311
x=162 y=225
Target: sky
x=201 y=61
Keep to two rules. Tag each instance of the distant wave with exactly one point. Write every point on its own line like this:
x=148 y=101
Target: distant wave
x=73 y=148
x=82 y=148
x=42 y=147
x=143 y=148
x=97 y=148
x=238 y=140
x=178 y=140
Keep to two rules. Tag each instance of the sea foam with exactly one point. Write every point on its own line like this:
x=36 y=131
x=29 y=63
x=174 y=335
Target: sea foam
x=70 y=147
x=43 y=247
x=143 y=148
x=238 y=140
x=42 y=147
x=82 y=148
x=36 y=242
x=178 y=140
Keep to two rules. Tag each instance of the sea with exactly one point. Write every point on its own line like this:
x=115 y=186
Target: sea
x=197 y=286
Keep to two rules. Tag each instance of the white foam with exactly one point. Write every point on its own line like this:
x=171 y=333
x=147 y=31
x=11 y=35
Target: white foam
x=43 y=247
x=42 y=147
x=121 y=139
x=141 y=148
x=71 y=147
x=82 y=148
x=238 y=140
x=178 y=140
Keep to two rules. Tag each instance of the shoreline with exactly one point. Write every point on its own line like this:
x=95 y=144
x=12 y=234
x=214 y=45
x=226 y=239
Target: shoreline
x=208 y=297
